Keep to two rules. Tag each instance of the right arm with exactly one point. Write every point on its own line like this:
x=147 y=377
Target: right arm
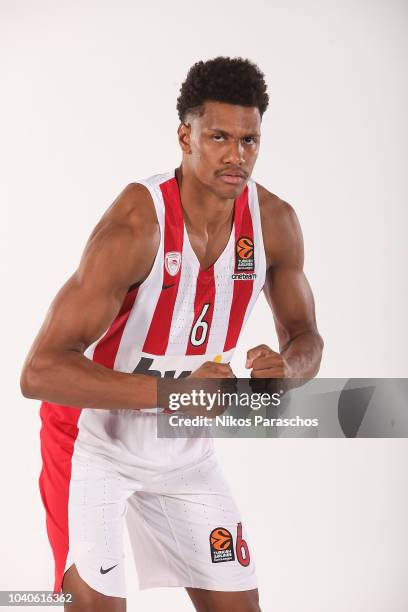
x=119 y=253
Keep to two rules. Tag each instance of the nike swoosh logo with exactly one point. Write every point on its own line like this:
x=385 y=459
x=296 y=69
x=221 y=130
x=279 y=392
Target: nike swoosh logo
x=105 y=571
x=168 y=286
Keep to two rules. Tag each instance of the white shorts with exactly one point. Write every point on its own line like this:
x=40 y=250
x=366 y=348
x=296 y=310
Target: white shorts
x=184 y=527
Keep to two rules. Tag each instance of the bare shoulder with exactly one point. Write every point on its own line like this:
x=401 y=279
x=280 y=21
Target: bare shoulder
x=123 y=245
x=132 y=209
x=273 y=209
x=280 y=227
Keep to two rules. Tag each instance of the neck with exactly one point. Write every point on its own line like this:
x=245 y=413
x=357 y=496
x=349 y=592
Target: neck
x=202 y=207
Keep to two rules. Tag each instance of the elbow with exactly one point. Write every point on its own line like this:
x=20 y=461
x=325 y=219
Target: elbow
x=27 y=382
x=31 y=378
x=320 y=347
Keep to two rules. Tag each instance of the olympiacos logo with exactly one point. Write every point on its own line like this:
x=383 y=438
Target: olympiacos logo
x=172 y=262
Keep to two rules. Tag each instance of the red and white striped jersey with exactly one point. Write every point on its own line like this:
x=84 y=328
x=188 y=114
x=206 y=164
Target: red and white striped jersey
x=183 y=315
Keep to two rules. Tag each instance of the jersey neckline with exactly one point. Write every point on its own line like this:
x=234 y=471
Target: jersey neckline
x=227 y=247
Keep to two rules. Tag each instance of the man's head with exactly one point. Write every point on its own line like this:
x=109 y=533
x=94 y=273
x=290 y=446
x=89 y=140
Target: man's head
x=220 y=107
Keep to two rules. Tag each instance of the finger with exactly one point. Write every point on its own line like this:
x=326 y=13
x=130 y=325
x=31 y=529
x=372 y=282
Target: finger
x=270 y=361
x=230 y=372
x=222 y=366
x=223 y=369
x=215 y=365
x=268 y=373
x=257 y=351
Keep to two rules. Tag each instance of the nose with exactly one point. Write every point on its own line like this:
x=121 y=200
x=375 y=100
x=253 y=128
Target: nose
x=235 y=153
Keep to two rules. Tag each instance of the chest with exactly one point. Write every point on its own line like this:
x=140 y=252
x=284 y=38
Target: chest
x=208 y=245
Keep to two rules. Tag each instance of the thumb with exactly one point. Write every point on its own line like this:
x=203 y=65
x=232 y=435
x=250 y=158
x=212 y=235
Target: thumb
x=258 y=351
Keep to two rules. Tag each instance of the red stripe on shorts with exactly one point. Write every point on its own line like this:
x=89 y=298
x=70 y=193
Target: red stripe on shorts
x=58 y=434
x=158 y=335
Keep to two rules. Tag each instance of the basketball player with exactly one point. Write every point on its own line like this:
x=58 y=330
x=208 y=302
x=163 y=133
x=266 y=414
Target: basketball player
x=164 y=287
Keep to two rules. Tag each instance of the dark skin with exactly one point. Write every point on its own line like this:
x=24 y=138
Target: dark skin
x=219 y=150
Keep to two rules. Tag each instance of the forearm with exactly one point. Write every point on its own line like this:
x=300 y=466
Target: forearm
x=303 y=355
x=71 y=379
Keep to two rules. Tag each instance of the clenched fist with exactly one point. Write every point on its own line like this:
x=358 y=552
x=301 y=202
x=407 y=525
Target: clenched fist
x=266 y=363
x=211 y=369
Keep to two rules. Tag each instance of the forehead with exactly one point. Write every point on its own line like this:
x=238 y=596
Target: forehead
x=230 y=118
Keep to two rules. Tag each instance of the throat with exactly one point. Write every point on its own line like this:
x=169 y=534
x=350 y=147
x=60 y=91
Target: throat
x=208 y=222
x=209 y=244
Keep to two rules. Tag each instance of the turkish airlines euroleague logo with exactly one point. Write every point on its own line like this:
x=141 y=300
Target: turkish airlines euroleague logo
x=222 y=546
x=244 y=254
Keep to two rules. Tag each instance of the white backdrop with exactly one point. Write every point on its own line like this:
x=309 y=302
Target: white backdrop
x=88 y=105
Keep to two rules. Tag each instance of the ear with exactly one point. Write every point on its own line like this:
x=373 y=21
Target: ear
x=184 y=135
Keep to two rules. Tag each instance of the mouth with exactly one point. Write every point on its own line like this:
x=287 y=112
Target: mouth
x=233 y=178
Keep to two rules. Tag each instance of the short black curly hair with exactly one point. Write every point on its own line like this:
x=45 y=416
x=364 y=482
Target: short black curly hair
x=233 y=80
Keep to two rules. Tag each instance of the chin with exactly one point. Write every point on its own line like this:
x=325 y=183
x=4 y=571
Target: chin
x=229 y=191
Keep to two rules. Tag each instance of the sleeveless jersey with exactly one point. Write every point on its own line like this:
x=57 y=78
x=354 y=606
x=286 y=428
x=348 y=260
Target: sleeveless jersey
x=183 y=315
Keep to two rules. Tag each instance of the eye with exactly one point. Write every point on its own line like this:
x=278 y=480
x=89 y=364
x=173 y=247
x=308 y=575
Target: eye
x=249 y=140
x=218 y=137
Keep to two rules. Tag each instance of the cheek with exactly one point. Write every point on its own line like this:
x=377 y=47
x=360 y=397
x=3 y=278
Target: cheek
x=252 y=156
x=204 y=156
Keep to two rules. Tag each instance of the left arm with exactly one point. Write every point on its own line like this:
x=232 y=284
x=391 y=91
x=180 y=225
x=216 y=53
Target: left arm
x=290 y=297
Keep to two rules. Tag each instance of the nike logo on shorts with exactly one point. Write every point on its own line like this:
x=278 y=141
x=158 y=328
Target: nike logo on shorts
x=105 y=571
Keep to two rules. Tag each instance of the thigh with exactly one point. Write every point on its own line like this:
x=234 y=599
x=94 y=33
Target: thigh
x=86 y=599
x=219 y=601
x=83 y=496
x=187 y=531
x=96 y=509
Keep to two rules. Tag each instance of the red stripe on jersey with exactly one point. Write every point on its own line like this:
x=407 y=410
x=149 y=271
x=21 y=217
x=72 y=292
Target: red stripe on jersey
x=158 y=335
x=107 y=347
x=242 y=288
x=58 y=434
x=203 y=313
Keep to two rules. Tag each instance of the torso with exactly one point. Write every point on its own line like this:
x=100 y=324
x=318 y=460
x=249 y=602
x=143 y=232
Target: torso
x=186 y=312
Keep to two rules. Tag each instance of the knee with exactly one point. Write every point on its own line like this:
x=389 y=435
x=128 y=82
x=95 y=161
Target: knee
x=252 y=604
x=82 y=603
x=215 y=601
x=84 y=598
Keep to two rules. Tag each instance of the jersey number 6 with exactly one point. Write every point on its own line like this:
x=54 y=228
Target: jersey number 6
x=200 y=328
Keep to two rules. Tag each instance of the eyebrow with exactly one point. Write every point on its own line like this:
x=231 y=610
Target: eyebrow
x=224 y=133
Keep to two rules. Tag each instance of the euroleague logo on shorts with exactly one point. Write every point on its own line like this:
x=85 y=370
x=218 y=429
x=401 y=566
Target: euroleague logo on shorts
x=222 y=546
x=244 y=254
